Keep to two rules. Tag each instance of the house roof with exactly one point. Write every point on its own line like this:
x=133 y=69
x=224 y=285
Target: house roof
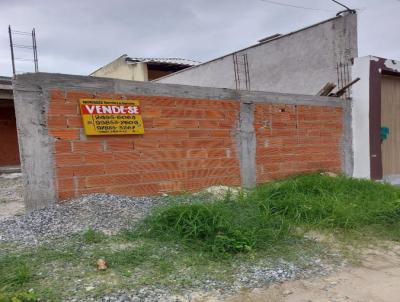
x=165 y=63
x=5 y=83
x=176 y=61
x=6 y=90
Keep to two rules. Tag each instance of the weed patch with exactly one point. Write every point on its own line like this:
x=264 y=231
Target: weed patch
x=220 y=227
x=269 y=213
x=316 y=201
x=92 y=236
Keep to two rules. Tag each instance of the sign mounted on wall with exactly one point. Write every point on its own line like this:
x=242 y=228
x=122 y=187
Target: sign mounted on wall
x=111 y=117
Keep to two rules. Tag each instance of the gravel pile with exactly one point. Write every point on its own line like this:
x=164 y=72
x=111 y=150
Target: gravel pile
x=104 y=212
x=258 y=275
x=110 y=213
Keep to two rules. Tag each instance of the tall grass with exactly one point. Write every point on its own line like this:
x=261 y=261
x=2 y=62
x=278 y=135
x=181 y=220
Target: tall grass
x=270 y=213
x=331 y=202
x=220 y=227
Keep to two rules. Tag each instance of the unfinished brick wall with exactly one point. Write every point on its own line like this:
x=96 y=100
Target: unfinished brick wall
x=9 y=153
x=188 y=144
x=294 y=139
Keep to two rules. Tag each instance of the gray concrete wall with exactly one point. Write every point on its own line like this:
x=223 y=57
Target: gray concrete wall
x=32 y=101
x=31 y=106
x=299 y=62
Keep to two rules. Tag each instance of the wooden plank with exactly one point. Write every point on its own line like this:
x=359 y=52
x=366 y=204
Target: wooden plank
x=326 y=89
x=342 y=91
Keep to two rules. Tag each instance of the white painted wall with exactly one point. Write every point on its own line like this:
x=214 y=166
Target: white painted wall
x=120 y=69
x=299 y=62
x=360 y=117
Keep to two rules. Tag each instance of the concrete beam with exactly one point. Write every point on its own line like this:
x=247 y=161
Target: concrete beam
x=347 y=141
x=35 y=148
x=37 y=81
x=246 y=145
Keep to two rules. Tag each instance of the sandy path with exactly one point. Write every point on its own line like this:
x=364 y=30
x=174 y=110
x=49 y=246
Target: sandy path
x=377 y=279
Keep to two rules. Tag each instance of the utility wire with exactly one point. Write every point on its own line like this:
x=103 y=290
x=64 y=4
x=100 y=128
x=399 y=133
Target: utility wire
x=296 y=6
x=346 y=7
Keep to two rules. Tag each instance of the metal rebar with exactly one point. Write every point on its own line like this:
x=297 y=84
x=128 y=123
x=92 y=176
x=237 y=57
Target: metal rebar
x=35 y=57
x=12 y=49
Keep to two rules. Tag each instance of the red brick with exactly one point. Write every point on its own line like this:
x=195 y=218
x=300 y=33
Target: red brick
x=159 y=176
x=192 y=163
x=75 y=96
x=146 y=144
x=99 y=181
x=119 y=145
x=225 y=124
x=169 y=144
x=154 y=165
x=151 y=112
x=64 y=172
x=187 y=124
x=63 y=109
x=164 y=123
x=116 y=168
x=155 y=133
x=63 y=195
x=122 y=190
x=56 y=121
x=216 y=172
x=170 y=186
x=65 y=184
x=214 y=115
x=57 y=94
x=163 y=154
x=194 y=113
x=68 y=159
x=173 y=112
x=174 y=134
x=92 y=190
x=203 y=143
x=147 y=189
x=206 y=124
x=67 y=134
x=87 y=146
x=62 y=147
x=74 y=122
x=147 y=123
x=127 y=179
x=199 y=133
x=197 y=153
x=163 y=102
x=126 y=156
x=216 y=153
x=98 y=157
x=220 y=133
x=86 y=170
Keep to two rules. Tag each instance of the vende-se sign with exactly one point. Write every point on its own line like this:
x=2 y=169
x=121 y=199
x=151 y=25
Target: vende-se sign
x=111 y=117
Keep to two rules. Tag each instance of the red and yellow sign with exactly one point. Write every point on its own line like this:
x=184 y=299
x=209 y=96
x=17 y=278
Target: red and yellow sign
x=111 y=117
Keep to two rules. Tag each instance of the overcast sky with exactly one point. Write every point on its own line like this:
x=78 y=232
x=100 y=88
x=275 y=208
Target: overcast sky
x=78 y=36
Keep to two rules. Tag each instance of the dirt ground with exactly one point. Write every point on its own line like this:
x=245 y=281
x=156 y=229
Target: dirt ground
x=375 y=279
x=11 y=198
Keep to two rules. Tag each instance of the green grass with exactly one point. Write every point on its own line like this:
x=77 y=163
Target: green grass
x=93 y=236
x=195 y=237
x=270 y=213
x=333 y=203
x=220 y=227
